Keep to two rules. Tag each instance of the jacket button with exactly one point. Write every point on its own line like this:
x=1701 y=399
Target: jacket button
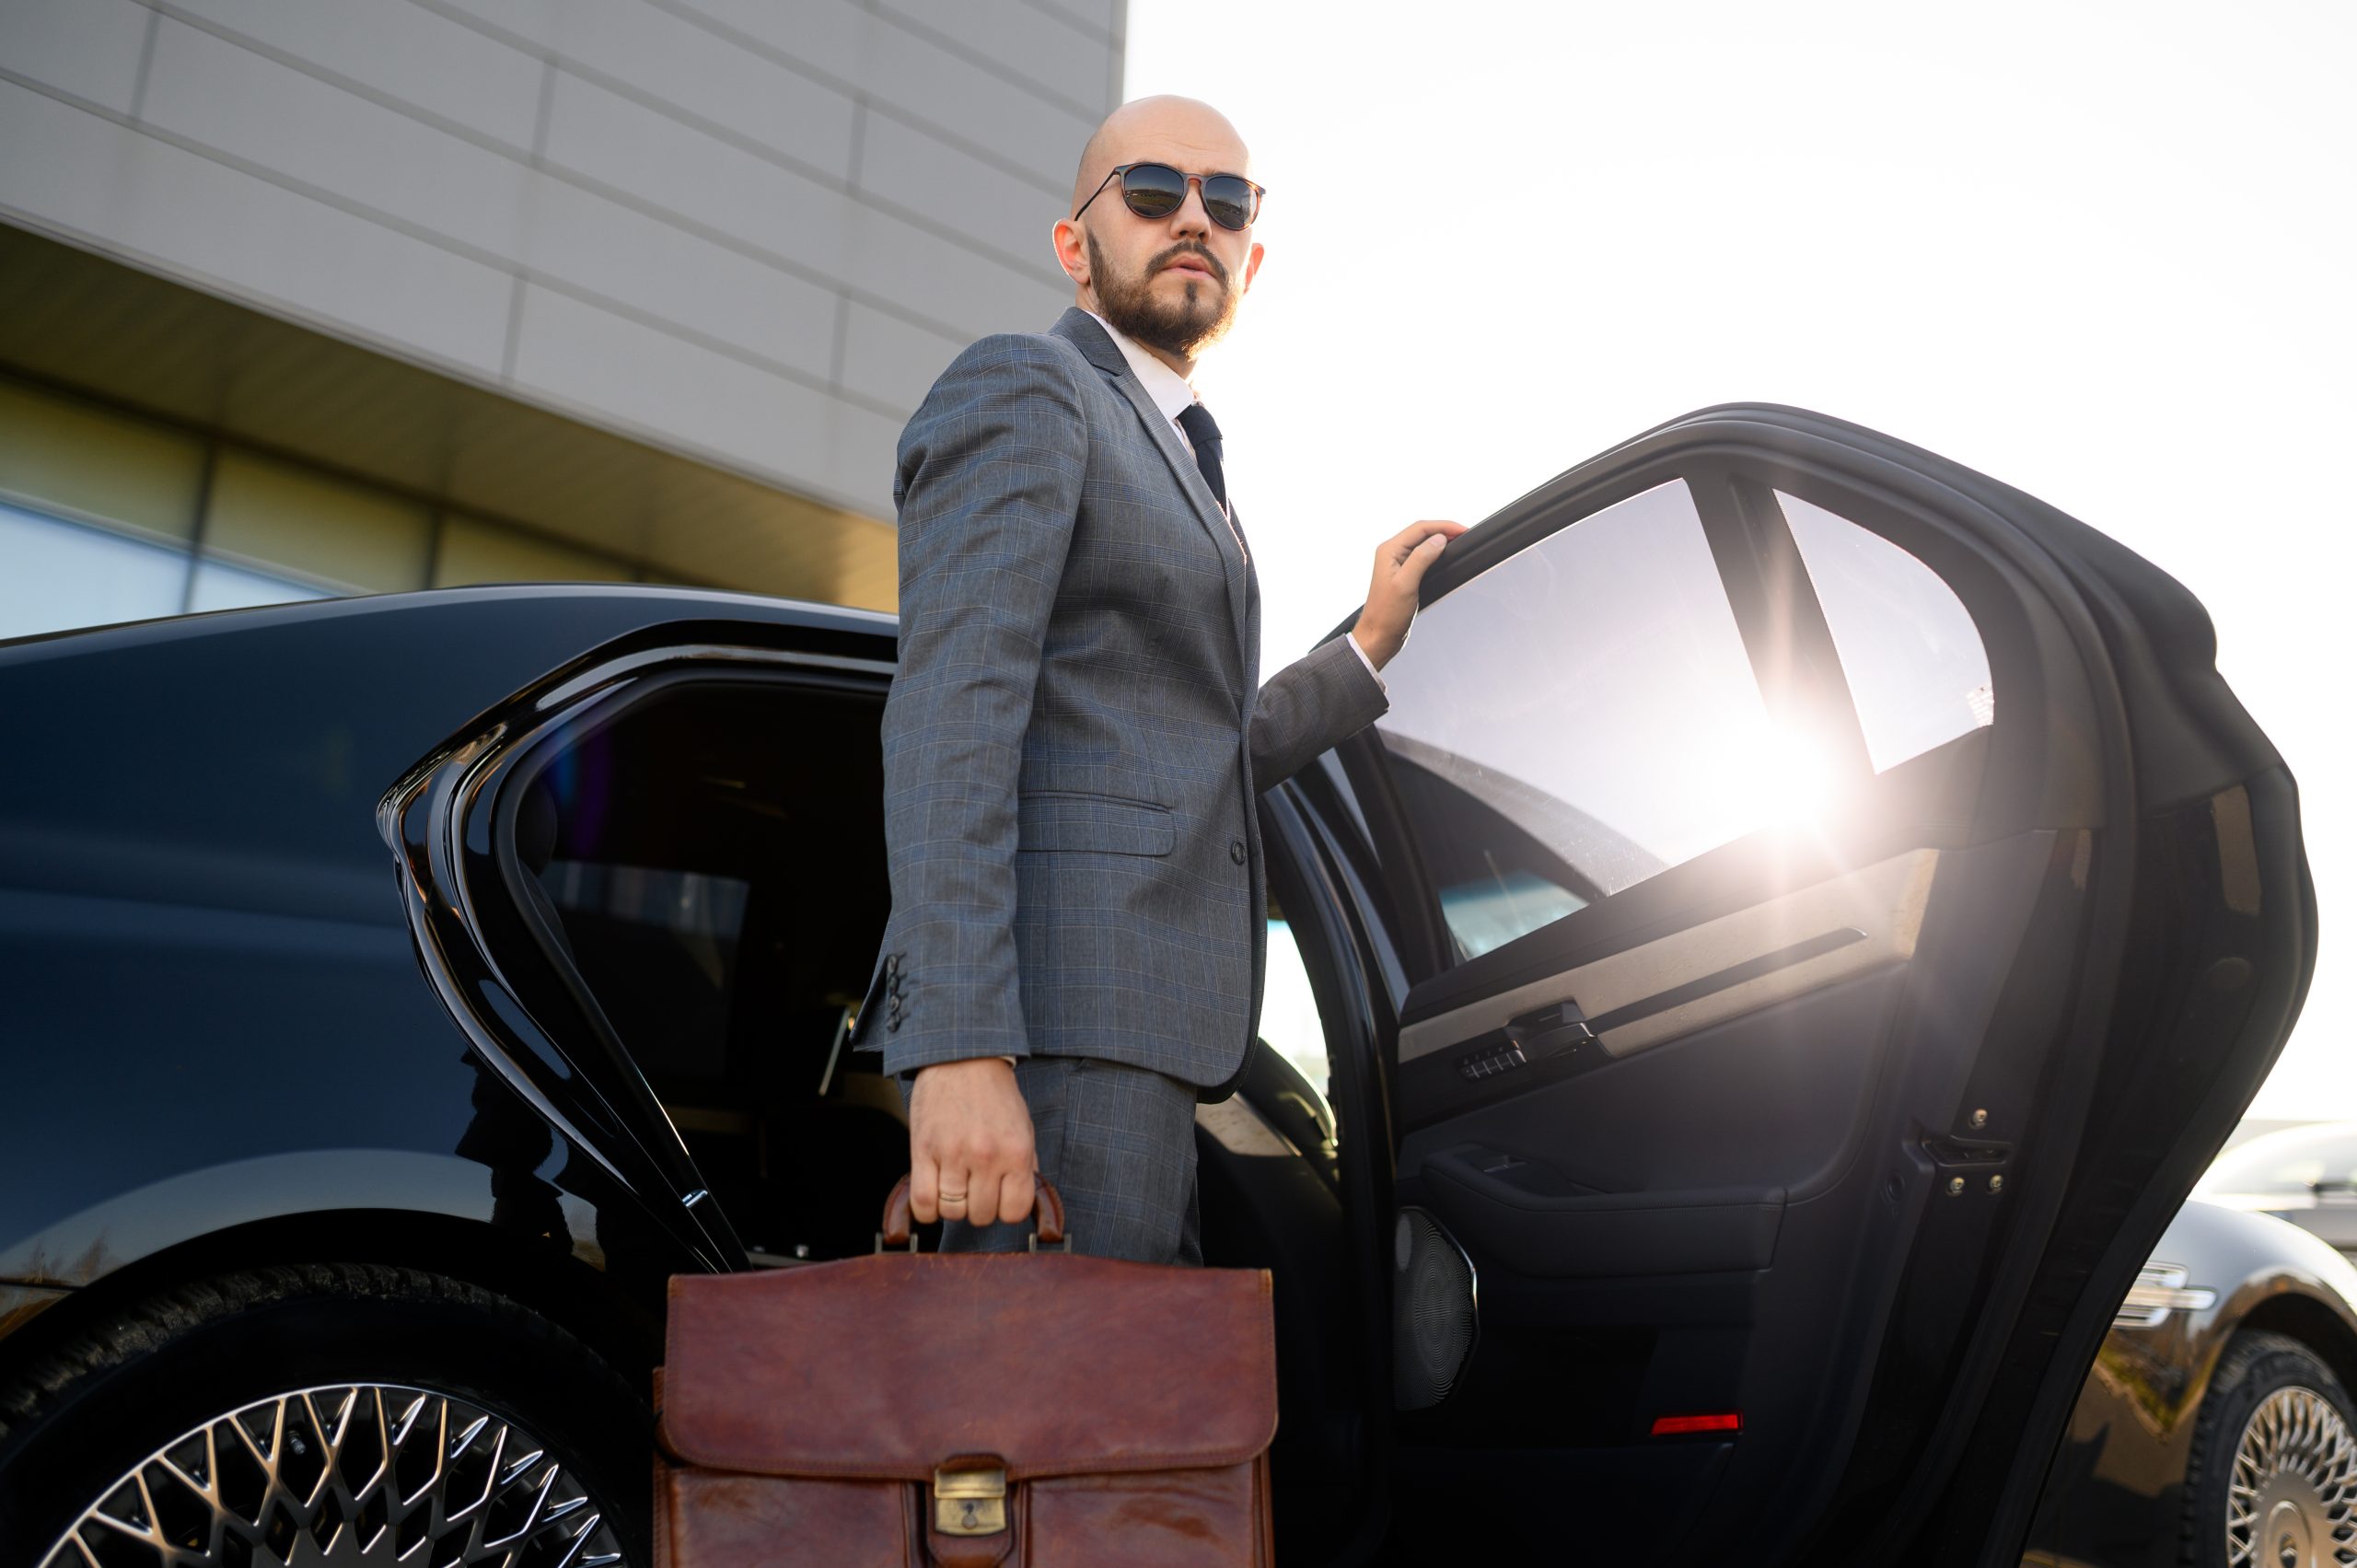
x=1235 y=851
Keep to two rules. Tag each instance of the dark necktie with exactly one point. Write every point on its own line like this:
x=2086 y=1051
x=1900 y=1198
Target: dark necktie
x=1203 y=431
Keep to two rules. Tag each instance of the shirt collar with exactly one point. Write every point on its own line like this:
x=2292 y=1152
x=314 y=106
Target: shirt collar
x=1170 y=391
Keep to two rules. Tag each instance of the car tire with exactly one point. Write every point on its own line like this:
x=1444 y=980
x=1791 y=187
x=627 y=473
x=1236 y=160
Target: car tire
x=2276 y=1420
x=270 y=1403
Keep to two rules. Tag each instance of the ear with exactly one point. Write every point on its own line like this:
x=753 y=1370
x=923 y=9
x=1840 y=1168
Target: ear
x=1072 y=251
x=1251 y=266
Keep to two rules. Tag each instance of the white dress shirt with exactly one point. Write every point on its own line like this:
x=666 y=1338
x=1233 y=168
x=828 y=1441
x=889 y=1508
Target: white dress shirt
x=1171 y=393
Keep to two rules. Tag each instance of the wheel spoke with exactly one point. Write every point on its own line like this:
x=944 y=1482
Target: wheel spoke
x=2297 y=1458
x=522 y=1503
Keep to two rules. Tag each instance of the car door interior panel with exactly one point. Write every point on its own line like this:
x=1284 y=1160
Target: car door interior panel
x=1730 y=861
x=1492 y=1198
x=1720 y=968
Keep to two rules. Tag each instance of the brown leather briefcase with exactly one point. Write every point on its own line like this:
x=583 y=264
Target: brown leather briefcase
x=1018 y=1409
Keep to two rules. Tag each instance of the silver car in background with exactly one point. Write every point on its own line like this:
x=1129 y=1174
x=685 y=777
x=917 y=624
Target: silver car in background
x=2306 y=1175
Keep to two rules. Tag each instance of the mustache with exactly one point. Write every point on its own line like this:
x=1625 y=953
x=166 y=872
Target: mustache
x=1188 y=247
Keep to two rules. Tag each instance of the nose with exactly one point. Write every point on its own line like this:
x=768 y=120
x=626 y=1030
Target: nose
x=1190 y=218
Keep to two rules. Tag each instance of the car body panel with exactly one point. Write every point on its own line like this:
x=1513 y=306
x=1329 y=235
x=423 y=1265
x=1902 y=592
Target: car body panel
x=211 y=970
x=2115 y=1493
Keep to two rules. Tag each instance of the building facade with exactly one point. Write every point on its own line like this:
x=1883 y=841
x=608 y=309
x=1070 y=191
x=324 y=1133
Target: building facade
x=317 y=297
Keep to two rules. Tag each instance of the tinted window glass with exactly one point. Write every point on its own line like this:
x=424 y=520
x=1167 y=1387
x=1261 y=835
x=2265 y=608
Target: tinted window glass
x=710 y=864
x=1914 y=662
x=674 y=934
x=1576 y=719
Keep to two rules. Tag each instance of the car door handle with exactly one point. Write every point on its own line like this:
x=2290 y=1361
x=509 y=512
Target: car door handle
x=1550 y=1030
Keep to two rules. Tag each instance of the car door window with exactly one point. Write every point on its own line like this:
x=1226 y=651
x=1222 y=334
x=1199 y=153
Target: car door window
x=1915 y=663
x=1576 y=719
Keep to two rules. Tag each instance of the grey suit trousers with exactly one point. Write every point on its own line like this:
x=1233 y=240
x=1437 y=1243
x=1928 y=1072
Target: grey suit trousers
x=1119 y=1142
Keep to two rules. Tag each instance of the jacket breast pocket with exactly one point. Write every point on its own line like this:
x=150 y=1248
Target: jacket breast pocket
x=1054 y=821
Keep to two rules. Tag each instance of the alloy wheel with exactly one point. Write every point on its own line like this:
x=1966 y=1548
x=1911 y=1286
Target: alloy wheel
x=324 y=1477
x=2292 y=1500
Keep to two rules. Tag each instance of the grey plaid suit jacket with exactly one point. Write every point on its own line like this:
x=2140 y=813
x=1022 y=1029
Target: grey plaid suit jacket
x=1077 y=731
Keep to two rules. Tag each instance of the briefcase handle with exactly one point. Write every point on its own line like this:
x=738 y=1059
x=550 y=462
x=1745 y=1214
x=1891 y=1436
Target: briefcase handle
x=1048 y=1209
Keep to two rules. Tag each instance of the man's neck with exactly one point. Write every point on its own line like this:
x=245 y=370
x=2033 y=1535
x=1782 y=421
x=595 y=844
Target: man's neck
x=1179 y=363
x=1185 y=367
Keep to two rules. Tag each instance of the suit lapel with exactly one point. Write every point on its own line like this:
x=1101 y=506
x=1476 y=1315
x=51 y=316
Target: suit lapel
x=1081 y=327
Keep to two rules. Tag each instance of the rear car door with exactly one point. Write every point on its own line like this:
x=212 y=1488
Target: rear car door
x=1825 y=908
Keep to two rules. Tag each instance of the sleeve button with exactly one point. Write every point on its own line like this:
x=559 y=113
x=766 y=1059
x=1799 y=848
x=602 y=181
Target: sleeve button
x=1235 y=851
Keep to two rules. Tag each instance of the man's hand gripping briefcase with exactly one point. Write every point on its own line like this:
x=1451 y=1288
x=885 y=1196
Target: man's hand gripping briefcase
x=971 y=1410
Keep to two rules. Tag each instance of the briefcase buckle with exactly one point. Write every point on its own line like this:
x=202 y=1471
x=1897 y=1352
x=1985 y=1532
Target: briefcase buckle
x=970 y=1502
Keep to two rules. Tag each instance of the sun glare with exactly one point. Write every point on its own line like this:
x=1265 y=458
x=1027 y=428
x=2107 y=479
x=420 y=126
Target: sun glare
x=1796 y=785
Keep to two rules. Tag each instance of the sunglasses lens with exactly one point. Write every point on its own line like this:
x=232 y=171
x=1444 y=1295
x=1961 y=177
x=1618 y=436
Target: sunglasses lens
x=1154 y=190
x=1227 y=200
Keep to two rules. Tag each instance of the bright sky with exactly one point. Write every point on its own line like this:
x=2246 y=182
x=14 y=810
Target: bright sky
x=2105 y=253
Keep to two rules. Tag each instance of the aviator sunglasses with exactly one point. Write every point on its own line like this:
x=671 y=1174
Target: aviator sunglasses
x=1156 y=190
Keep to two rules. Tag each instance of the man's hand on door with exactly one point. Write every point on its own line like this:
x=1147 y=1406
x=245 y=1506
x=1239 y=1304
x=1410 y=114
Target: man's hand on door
x=1401 y=563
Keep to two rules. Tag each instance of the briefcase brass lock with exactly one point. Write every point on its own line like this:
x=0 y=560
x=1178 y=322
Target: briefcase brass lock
x=970 y=1502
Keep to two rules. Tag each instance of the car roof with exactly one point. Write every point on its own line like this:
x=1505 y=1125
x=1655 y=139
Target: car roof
x=2255 y=1159
x=662 y=600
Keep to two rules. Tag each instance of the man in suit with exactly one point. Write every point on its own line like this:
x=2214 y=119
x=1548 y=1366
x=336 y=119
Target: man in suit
x=1077 y=729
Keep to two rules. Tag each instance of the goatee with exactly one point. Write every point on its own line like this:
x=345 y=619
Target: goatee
x=1183 y=327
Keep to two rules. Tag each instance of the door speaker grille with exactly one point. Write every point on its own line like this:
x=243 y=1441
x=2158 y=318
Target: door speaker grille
x=1435 y=1311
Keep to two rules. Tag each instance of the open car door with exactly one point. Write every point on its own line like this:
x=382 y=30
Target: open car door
x=1820 y=909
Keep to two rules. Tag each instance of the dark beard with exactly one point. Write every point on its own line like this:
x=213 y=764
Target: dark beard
x=1194 y=324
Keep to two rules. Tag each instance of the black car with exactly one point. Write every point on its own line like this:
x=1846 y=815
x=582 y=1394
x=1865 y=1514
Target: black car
x=2217 y=1425
x=1807 y=917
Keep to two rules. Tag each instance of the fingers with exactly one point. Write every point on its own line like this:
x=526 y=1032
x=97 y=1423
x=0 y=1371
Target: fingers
x=1401 y=544
x=1015 y=1195
x=982 y=1197
x=1411 y=571
x=969 y=1132
x=924 y=1183
x=1397 y=552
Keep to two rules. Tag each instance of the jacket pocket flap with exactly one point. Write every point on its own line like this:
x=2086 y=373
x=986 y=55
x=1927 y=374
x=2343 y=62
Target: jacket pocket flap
x=1069 y=819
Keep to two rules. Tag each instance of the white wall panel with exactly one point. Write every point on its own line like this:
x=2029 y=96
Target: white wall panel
x=229 y=98
x=400 y=50
x=181 y=214
x=705 y=77
x=943 y=88
x=89 y=49
x=911 y=170
x=889 y=360
x=677 y=169
x=618 y=372
x=627 y=255
x=1060 y=60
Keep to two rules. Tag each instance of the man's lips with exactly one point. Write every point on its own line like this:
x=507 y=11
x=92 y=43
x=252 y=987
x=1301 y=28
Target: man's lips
x=1189 y=265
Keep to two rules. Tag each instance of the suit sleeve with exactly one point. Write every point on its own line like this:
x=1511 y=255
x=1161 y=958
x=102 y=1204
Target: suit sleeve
x=991 y=469
x=1316 y=702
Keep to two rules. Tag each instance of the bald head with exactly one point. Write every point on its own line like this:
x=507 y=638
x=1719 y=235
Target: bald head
x=1171 y=282
x=1186 y=132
